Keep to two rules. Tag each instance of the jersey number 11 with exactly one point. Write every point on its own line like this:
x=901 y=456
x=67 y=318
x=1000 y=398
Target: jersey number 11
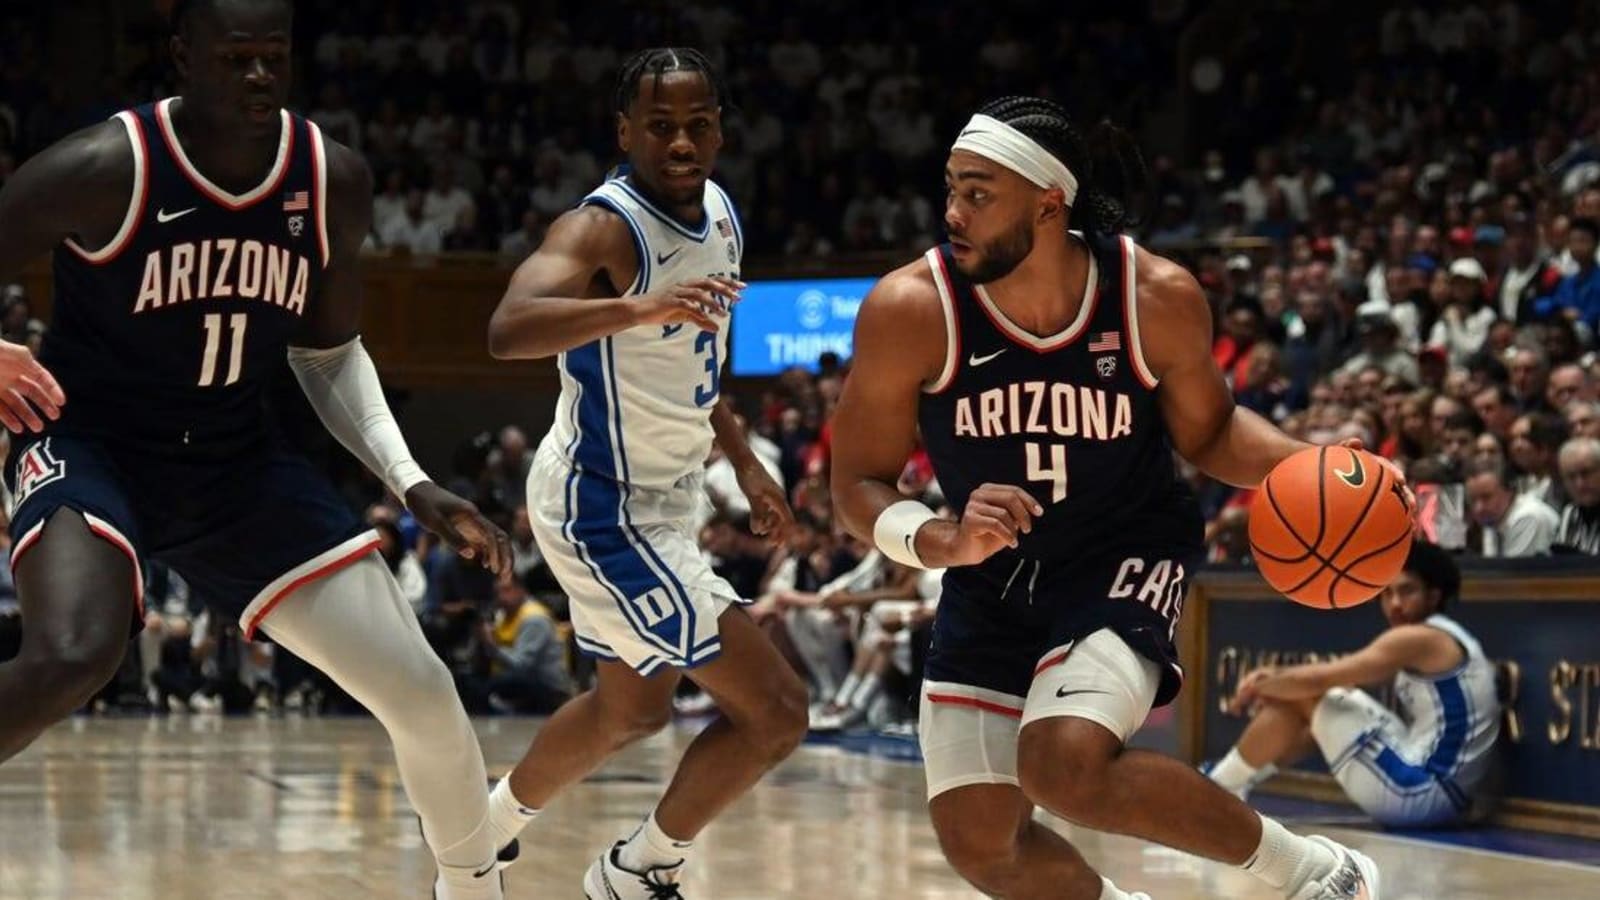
x=208 y=363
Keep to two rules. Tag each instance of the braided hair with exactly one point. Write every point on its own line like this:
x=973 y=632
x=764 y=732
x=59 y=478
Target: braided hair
x=658 y=61
x=1108 y=165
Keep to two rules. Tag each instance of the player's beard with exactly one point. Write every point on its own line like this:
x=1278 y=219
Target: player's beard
x=1000 y=256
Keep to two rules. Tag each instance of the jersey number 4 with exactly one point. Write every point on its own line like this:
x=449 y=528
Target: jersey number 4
x=1055 y=475
x=215 y=326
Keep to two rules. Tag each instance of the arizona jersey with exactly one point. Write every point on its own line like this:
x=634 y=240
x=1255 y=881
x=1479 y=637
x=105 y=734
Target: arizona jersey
x=635 y=406
x=1072 y=418
x=167 y=334
x=1454 y=717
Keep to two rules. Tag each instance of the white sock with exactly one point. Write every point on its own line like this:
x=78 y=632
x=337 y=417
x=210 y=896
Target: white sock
x=507 y=815
x=865 y=691
x=466 y=883
x=1235 y=775
x=650 y=847
x=851 y=682
x=1286 y=861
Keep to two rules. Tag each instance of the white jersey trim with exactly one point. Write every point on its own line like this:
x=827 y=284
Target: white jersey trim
x=952 y=324
x=1091 y=296
x=319 y=188
x=1130 y=313
x=232 y=201
x=136 y=199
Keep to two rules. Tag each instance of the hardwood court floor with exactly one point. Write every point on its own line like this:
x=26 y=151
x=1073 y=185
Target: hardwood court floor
x=199 y=807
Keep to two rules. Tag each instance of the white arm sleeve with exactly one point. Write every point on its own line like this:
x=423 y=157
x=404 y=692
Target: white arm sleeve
x=343 y=388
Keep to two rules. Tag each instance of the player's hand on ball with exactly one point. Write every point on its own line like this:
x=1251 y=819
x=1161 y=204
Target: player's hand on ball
x=995 y=516
x=1395 y=472
x=696 y=302
x=26 y=390
x=461 y=525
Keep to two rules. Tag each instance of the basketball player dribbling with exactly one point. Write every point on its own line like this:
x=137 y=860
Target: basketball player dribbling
x=631 y=290
x=1051 y=372
x=198 y=241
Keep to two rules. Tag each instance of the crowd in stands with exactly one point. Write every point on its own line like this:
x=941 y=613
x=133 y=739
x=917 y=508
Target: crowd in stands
x=1401 y=250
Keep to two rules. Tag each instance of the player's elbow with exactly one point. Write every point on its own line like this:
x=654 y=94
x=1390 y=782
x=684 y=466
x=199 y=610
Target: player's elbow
x=506 y=343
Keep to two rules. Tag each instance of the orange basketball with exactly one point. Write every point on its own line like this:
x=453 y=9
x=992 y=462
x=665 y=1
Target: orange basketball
x=1330 y=527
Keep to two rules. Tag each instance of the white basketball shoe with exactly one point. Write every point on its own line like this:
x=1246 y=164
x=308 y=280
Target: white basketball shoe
x=608 y=880
x=1355 y=878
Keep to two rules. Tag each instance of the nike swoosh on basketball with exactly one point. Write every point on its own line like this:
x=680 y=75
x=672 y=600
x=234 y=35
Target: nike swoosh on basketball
x=1357 y=476
x=661 y=258
x=164 y=217
x=976 y=360
x=1063 y=692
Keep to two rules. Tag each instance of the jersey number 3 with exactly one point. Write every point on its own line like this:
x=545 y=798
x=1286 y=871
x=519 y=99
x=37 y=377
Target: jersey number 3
x=215 y=326
x=706 y=394
x=1055 y=475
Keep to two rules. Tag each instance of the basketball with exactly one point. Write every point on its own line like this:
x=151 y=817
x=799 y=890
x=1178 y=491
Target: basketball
x=1330 y=527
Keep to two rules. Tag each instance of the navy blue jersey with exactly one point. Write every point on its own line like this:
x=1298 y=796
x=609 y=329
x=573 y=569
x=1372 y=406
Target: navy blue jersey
x=167 y=335
x=1072 y=418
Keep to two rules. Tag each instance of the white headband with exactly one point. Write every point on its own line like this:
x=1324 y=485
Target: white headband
x=993 y=139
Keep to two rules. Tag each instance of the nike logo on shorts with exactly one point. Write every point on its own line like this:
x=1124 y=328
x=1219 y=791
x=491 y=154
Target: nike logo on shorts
x=1062 y=692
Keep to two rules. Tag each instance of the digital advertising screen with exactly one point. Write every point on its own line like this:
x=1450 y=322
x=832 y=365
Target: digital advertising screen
x=780 y=324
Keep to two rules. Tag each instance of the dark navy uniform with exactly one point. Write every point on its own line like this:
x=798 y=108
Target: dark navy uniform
x=1072 y=419
x=164 y=341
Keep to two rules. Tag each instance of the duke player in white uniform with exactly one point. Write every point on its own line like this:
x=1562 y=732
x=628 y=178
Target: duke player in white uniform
x=1426 y=766
x=632 y=290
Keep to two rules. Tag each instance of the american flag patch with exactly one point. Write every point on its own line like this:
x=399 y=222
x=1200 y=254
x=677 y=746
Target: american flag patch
x=1104 y=343
x=299 y=201
x=724 y=228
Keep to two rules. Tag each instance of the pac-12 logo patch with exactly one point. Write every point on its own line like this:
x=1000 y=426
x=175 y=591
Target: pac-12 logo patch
x=37 y=467
x=297 y=225
x=1106 y=366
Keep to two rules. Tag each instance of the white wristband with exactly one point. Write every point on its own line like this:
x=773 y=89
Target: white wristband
x=895 y=532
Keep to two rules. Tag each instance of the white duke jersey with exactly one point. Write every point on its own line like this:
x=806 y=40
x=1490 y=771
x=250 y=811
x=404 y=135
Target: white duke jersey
x=1454 y=717
x=636 y=406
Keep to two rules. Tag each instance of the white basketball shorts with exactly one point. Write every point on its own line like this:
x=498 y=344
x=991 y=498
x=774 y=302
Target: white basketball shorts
x=628 y=558
x=1378 y=762
x=969 y=734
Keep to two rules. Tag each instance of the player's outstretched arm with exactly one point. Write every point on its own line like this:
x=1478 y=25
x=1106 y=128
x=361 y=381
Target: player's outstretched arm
x=1406 y=647
x=899 y=348
x=79 y=187
x=1226 y=441
x=566 y=294
x=770 y=515
x=339 y=379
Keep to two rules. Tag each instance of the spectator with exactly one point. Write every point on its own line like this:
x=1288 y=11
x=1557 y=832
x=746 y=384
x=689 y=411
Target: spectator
x=1497 y=407
x=1380 y=344
x=1568 y=384
x=1583 y=419
x=1511 y=524
x=1464 y=322
x=526 y=653
x=1577 y=297
x=1579 y=530
x=1536 y=441
x=413 y=231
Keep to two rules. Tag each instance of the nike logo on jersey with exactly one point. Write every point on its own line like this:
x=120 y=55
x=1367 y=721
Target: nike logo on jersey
x=164 y=217
x=976 y=360
x=670 y=330
x=661 y=258
x=1357 y=476
x=1063 y=692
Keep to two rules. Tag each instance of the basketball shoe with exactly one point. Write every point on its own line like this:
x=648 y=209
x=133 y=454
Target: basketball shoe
x=607 y=879
x=1355 y=878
